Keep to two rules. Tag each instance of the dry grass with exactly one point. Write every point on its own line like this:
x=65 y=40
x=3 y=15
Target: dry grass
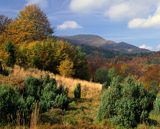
x=89 y=89
x=84 y=111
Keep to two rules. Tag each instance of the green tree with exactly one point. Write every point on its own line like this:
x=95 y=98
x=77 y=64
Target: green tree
x=11 y=50
x=101 y=75
x=8 y=104
x=126 y=103
x=112 y=73
x=77 y=91
x=80 y=63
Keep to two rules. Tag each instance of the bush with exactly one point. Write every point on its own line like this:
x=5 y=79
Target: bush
x=46 y=92
x=126 y=103
x=43 y=92
x=11 y=50
x=105 y=86
x=77 y=91
x=61 y=101
x=8 y=104
x=157 y=105
x=101 y=75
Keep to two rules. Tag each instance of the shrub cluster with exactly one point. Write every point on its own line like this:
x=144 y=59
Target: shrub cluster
x=43 y=92
x=103 y=75
x=126 y=103
x=77 y=91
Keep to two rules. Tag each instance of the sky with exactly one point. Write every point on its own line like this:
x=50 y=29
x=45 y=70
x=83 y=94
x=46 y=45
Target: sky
x=133 y=21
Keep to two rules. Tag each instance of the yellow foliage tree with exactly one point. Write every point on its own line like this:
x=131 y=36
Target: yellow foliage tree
x=30 y=25
x=66 y=68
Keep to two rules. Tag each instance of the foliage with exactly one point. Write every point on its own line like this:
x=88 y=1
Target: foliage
x=80 y=63
x=77 y=91
x=126 y=103
x=4 y=21
x=11 y=50
x=8 y=104
x=112 y=73
x=66 y=68
x=101 y=75
x=157 y=105
x=30 y=25
x=43 y=92
x=55 y=56
x=105 y=86
x=61 y=101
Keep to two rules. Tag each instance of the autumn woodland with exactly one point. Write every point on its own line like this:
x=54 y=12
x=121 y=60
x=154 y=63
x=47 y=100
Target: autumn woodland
x=47 y=82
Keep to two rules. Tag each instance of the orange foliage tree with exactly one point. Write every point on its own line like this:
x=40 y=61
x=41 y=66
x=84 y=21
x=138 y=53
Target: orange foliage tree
x=30 y=25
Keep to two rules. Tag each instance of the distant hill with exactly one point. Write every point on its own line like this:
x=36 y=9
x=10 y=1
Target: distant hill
x=102 y=44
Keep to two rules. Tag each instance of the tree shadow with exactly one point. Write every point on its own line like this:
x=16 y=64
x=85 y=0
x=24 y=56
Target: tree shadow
x=152 y=122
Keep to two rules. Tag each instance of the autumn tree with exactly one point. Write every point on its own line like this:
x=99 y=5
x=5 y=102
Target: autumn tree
x=4 y=22
x=66 y=68
x=30 y=25
x=56 y=56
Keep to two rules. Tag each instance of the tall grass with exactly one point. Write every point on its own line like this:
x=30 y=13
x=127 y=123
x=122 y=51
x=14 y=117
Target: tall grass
x=89 y=89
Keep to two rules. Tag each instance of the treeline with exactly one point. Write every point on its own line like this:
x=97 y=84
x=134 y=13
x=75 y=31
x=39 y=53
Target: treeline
x=29 y=42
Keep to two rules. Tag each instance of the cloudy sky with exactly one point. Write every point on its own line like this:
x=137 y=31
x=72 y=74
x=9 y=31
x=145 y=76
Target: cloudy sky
x=134 y=21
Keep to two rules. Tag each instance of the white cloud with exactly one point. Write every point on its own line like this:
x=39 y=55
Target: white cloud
x=118 y=11
x=41 y=3
x=85 y=6
x=69 y=25
x=157 y=47
x=115 y=9
x=145 y=46
x=150 y=22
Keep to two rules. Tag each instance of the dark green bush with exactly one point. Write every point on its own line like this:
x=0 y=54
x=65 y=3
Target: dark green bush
x=126 y=103
x=45 y=92
x=105 y=86
x=61 y=101
x=41 y=92
x=101 y=75
x=11 y=50
x=77 y=91
x=8 y=104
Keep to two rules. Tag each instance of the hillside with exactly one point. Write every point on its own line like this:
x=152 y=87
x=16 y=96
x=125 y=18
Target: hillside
x=103 y=44
x=81 y=113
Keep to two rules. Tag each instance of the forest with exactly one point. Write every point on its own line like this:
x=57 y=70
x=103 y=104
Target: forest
x=47 y=82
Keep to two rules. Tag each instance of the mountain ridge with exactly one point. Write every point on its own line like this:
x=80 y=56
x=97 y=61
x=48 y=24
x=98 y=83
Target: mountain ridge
x=101 y=43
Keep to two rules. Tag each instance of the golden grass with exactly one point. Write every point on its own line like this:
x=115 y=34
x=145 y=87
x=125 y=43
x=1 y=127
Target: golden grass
x=90 y=97
x=89 y=89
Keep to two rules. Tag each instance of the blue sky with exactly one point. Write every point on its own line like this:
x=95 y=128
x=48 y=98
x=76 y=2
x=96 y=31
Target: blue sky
x=134 y=21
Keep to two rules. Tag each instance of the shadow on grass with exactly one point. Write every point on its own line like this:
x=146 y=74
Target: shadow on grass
x=152 y=122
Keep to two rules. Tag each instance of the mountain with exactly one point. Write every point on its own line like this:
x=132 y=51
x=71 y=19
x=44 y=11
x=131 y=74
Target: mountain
x=103 y=44
x=90 y=40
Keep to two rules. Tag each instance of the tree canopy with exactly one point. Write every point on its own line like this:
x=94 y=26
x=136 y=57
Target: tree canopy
x=30 y=25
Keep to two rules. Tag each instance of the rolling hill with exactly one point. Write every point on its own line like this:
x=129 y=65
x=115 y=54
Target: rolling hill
x=99 y=43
